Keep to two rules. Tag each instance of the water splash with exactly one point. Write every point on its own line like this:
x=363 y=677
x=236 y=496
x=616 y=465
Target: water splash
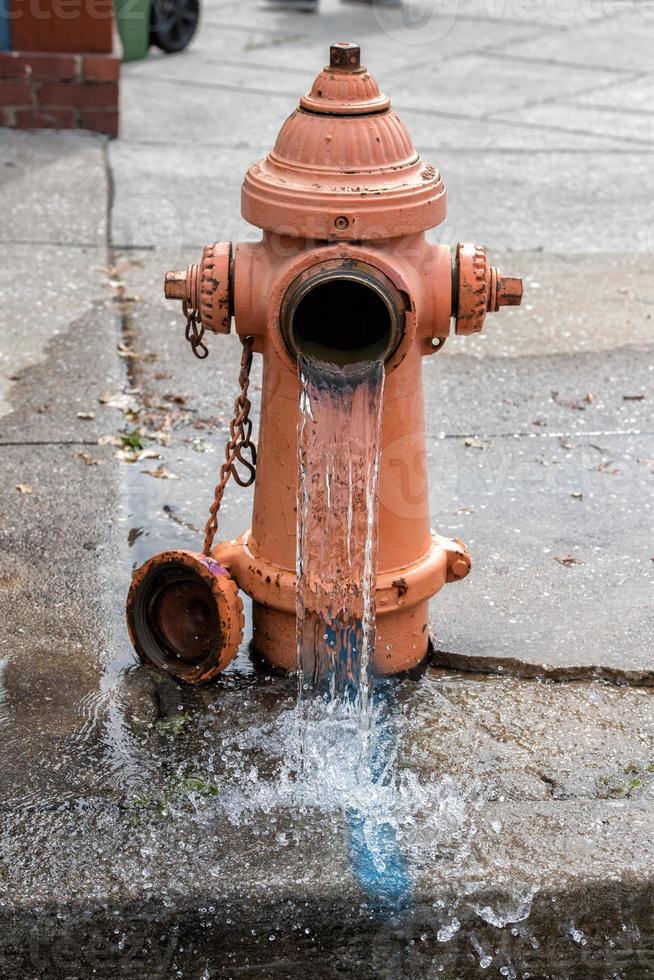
x=342 y=752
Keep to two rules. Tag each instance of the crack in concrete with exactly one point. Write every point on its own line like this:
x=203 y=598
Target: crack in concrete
x=559 y=434
x=553 y=62
x=514 y=667
x=563 y=97
x=46 y=243
x=51 y=442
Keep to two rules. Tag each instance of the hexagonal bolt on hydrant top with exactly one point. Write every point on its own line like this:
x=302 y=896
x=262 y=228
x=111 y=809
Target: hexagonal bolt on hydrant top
x=343 y=201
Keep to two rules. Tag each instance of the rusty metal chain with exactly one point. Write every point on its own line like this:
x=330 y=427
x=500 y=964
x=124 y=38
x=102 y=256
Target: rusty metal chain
x=195 y=331
x=239 y=442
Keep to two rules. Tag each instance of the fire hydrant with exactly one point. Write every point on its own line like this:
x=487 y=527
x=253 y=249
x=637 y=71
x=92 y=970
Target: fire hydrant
x=343 y=272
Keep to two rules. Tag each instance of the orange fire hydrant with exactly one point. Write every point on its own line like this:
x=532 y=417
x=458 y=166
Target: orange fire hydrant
x=343 y=272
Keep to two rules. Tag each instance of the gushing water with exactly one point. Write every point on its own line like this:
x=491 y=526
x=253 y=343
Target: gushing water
x=341 y=753
x=339 y=447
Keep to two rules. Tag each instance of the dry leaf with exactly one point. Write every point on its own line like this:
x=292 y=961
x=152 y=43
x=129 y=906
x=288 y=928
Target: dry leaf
x=161 y=473
x=646 y=462
x=119 y=400
x=572 y=402
x=162 y=436
x=109 y=441
x=125 y=351
x=568 y=560
x=24 y=487
x=473 y=442
x=539 y=422
x=90 y=460
x=565 y=444
x=607 y=468
x=135 y=455
x=86 y=416
x=126 y=455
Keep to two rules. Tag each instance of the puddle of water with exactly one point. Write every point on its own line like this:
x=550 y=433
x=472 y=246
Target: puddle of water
x=294 y=790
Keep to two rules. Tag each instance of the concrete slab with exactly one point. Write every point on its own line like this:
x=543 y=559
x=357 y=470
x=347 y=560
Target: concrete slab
x=622 y=41
x=168 y=879
x=58 y=286
x=573 y=303
x=626 y=95
x=558 y=202
x=562 y=571
x=480 y=86
x=72 y=167
x=66 y=381
x=632 y=128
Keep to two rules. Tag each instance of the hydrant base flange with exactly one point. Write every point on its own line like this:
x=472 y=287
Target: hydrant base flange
x=401 y=600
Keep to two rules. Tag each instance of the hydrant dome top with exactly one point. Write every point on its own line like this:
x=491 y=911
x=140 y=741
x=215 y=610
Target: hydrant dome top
x=343 y=166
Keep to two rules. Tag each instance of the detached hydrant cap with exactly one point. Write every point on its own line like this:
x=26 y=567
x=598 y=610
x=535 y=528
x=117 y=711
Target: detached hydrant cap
x=344 y=166
x=184 y=615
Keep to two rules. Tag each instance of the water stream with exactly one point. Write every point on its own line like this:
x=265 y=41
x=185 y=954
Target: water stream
x=339 y=449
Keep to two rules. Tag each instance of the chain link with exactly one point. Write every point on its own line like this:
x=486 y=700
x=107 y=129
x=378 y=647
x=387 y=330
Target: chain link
x=239 y=442
x=195 y=331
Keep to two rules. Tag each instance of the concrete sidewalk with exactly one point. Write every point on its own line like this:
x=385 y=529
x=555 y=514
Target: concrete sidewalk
x=535 y=832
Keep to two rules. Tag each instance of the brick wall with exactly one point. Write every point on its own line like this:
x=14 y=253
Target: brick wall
x=62 y=25
x=50 y=90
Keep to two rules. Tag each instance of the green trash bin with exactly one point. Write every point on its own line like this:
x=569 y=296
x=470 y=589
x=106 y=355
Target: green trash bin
x=168 y=24
x=133 y=19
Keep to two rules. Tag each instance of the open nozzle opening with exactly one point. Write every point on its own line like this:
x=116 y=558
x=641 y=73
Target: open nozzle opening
x=343 y=314
x=176 y=612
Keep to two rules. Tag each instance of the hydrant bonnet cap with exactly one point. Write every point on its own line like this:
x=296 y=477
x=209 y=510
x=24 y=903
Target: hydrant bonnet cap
x=344 y=167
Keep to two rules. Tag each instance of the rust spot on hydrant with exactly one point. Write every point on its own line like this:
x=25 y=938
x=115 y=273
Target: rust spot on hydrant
x=343 y=269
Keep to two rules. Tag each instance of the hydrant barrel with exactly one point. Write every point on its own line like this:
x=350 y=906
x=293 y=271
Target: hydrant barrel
x=343 y=273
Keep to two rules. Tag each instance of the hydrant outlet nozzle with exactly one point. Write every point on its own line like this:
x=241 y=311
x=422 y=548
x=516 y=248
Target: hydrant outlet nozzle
x=479 y=288
x=207 y=287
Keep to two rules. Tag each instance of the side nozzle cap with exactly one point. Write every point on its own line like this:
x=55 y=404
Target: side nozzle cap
x=184 y=615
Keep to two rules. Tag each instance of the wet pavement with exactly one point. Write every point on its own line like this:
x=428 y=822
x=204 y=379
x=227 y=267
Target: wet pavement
x=150 y=830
